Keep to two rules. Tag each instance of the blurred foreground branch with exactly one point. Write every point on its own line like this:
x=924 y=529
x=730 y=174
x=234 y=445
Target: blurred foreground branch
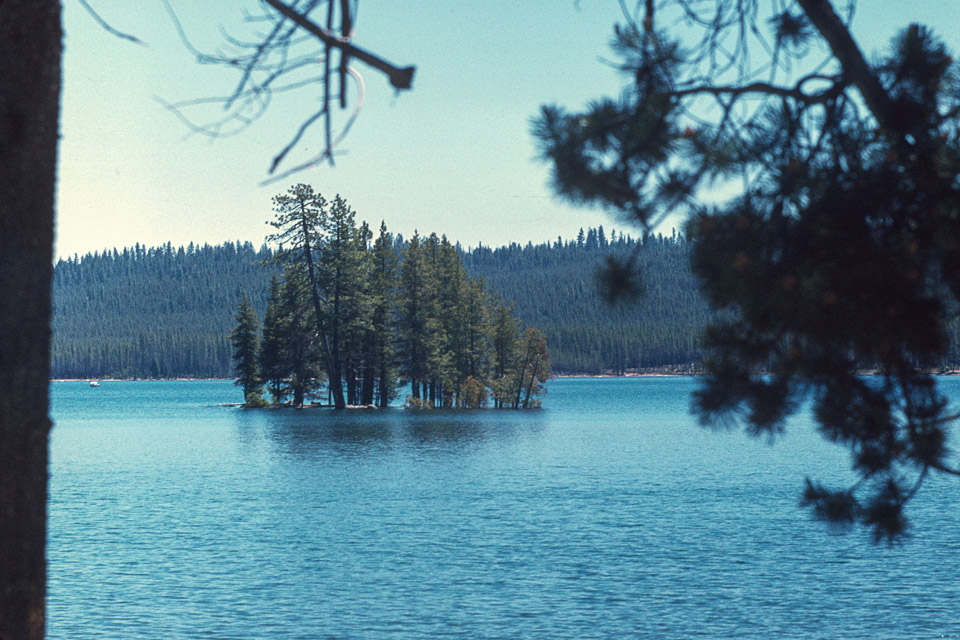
x=280 y=55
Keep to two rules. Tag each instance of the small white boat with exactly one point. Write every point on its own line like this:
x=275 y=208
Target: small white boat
x=94 y=383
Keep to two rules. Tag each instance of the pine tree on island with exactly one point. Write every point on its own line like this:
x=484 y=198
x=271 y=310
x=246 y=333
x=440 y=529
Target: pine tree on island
x=272 y=343
x=245 y=350
x=300 y=216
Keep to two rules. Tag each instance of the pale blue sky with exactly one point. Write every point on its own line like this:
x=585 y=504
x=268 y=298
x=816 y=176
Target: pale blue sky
x=454 y=155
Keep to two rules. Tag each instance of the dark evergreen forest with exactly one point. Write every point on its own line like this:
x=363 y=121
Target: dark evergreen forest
x=165 y=312
x=162 y=312
x=554 y=288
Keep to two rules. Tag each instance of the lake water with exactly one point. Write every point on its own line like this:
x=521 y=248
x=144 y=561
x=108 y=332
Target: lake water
x=608 y=514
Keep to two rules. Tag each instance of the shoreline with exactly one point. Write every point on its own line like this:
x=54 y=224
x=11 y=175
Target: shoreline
x=667 y=372
x=142 y=379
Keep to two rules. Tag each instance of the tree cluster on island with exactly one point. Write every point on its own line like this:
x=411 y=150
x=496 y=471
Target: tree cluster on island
x=348 y=317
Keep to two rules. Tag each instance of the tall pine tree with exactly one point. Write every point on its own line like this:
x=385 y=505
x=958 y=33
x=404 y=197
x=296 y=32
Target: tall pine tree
x=383 y=287
x=300 y=217
x=273 y=368
x=245 y=340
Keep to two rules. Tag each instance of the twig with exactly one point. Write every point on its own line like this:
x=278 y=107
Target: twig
x=106 y=25
x=296 y=138
x=400 y=78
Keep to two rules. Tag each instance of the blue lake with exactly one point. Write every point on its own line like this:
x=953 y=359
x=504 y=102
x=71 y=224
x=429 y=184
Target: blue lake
x=608 y=514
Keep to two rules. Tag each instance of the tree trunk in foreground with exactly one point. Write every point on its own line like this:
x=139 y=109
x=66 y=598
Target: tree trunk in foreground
x=30 y=50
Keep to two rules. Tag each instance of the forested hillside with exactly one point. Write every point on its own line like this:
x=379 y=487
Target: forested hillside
x=153 y=313
x=166 y=312
x=554 y=288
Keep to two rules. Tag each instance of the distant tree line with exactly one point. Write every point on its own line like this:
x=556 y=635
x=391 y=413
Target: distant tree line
x=161 y=312
x=349 y=315
x=555 y=288
x=164 y=312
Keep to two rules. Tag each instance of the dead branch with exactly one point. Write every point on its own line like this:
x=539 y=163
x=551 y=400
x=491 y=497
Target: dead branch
x=400 y=78
x=107 y=26
x=276 y=59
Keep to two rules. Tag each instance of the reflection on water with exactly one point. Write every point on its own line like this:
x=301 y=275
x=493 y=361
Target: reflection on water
x=367 y=432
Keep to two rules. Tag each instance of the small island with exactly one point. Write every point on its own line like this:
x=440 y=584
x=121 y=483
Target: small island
x=352 y=319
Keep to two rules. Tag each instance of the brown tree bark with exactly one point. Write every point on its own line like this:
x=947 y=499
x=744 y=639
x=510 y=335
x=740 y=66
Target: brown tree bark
x=30 y=48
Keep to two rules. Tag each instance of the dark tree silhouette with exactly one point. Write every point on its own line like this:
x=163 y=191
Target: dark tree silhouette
x=30 y=49
x=839 y=250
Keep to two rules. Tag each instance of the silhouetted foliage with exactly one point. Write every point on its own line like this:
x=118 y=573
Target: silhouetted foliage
x=840 y=248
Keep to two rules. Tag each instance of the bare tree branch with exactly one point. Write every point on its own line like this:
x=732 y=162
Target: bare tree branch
x=766 y=89
x=108 y=27
x=400 y=78
x=273 y=60
x=841 y=42
x=346 y=28
x=296 y=138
